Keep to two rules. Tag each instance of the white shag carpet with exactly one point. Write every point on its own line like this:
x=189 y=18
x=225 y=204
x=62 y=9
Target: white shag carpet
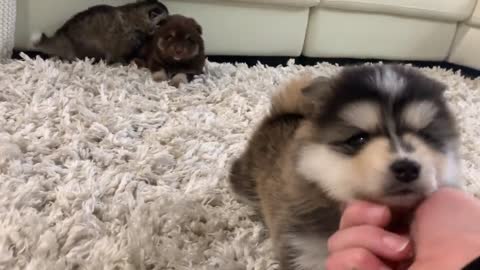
x=102 y=168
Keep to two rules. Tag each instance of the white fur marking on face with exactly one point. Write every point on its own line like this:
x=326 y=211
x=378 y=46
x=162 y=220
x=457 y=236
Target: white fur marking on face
x=160 y=44
x=451 y=170
x=343 y=177
x=322 y=166
x=364 y=115
x=449 y=166
x=389 y=81
x=196 y=51
x=438 y=169
x=312 y=251
x=392 y=132
x=418 y=115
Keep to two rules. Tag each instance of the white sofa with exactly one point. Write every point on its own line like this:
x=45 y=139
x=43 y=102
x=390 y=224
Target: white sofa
x=466 y=47
x=231 y=27
x=386 y=29
x=249 y=27
x=435 y=30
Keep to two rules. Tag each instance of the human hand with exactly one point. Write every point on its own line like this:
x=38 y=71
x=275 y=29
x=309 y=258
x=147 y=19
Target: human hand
x=363 y=243
x=446 y=231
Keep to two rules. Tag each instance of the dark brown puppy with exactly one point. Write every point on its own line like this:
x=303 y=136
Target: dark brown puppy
x=105 y=32
x=176 y=52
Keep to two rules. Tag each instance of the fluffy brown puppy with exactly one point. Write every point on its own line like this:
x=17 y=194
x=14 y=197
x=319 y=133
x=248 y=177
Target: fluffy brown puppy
x=176 y=52
x=105 y=32
x=382 y=133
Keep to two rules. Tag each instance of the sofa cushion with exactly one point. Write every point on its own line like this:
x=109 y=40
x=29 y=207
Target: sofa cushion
x=450 y=10
x=288 y=3
x=475 y=19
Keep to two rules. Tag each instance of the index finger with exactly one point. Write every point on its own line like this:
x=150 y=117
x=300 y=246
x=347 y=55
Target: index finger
x=365 y=213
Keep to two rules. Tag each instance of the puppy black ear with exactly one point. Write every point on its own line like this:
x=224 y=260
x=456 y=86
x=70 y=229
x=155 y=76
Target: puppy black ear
x=318 y=92
x=197 y=26
x=299 y=95
x=318 y=89
x=154 y=13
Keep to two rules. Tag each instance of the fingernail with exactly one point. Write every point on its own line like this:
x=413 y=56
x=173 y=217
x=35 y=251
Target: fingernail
x=377 y=212
x=395 y=243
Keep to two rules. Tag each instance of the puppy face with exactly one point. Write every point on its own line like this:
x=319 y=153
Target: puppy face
x=382 y=133
x=179 y=39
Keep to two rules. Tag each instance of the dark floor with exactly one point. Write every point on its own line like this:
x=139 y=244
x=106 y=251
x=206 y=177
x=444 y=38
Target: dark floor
x=275 y=61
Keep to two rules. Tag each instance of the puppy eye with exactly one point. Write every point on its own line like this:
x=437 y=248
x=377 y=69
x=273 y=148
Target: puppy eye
x=357 y=140
x=428 y=137
x=436 y=139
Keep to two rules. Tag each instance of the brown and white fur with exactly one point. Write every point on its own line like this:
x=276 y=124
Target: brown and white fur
x=176 y=52
x=381 y=133
x=113 y=34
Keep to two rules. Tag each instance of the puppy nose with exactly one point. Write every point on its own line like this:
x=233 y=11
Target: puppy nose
x=405 y=170
x=178 y=50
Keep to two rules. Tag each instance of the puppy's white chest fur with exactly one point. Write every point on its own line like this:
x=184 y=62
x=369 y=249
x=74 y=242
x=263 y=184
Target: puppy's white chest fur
x=312 y=250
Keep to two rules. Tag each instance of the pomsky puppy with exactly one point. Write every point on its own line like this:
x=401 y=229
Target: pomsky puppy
x=176 y=52
x=382 y=133
x=113 y=34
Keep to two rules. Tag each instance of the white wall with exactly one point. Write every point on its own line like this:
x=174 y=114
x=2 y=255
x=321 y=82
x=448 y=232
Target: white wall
x=36 y=16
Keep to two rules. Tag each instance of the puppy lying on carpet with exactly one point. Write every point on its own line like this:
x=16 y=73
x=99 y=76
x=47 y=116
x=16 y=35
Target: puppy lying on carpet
x=176 y=52
x=105 y=32
x=381 y=133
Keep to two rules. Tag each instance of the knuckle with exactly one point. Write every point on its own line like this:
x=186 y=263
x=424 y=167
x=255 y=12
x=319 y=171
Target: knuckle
x=332 y=241
x=354 y=236
x=352 y=210
x=361 y=256
x=368 y=231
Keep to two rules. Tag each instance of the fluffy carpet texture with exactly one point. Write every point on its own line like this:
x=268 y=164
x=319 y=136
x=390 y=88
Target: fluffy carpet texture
x=102 y=168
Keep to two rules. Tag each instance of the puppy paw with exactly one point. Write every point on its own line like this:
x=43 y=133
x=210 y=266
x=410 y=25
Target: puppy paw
x=159 y=76
x=138 y=62
x=179 y=79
